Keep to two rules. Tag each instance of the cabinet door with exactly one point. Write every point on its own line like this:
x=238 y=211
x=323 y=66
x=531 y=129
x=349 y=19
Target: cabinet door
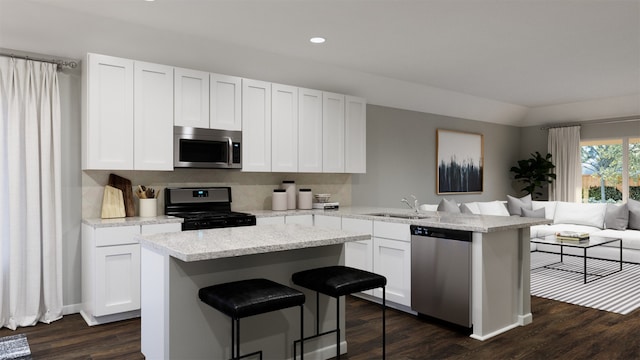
x=108 y=116
x=153 y=116
x=191 y=98
x=355 y=148
x=117 y=282
x=225 y=102
x=329 y=222
x=392 y=259
x=332 y=133
x=256 y=125
x=309 y=130
x=359 y=254
x=284 y=128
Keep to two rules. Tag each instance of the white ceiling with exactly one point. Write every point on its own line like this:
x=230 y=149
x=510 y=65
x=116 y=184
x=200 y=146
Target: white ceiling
x=531 y=53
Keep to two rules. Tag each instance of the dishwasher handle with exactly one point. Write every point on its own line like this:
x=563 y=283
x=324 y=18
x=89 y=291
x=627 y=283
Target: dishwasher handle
x=460 y=235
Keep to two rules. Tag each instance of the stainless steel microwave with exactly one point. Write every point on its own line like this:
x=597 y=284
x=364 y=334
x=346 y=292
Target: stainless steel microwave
x=206 y=148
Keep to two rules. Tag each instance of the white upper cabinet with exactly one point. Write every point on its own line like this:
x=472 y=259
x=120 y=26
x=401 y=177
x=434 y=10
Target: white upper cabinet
x=225 y=102
x=355 y=135
x=332 y=133
x=191 y=98
x=107 y=119
x=284 y=128
x=256 y=125
x=153 y=116
x=309 y=131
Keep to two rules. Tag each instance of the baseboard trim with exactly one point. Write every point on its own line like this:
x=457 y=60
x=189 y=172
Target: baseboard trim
x=71 y=309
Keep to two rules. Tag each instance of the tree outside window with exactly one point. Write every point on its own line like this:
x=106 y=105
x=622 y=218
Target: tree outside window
x=610 y=170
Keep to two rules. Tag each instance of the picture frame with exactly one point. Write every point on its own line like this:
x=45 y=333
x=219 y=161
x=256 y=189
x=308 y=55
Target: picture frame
x=459 y=162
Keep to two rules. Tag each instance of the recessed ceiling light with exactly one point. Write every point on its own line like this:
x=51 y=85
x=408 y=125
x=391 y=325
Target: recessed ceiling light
x=317 y=40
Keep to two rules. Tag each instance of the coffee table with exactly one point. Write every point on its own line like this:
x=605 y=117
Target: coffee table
x=593 y=241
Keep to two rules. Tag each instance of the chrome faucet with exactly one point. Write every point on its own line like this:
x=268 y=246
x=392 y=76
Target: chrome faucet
x=414 y=207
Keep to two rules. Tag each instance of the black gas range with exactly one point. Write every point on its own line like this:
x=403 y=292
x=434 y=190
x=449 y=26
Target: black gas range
x=204 y=208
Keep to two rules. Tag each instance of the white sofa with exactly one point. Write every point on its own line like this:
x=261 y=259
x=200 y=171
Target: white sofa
x=595 y=219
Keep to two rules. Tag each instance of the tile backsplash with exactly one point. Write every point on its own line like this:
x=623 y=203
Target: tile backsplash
x=249 y=190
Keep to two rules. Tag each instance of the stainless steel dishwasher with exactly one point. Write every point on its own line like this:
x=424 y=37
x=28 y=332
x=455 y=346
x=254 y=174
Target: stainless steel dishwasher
x=441 y=274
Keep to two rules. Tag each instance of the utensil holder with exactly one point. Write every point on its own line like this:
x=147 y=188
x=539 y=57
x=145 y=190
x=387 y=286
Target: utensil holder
x=148 y=207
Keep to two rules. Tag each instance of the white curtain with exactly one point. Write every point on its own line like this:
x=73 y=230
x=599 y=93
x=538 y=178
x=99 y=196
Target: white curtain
x=564 y=147
x=30 y=194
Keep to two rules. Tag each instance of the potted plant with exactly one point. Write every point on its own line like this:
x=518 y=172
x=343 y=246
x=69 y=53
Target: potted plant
x=534 y=172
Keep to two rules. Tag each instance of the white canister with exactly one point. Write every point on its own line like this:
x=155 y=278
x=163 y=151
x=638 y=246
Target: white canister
x=304 y=199
x=290 y=187
x=148 y=207
x=279 y=201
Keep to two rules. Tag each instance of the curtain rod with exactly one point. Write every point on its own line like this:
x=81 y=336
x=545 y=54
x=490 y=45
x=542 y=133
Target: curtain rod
x=595 y=122
x=72 y=64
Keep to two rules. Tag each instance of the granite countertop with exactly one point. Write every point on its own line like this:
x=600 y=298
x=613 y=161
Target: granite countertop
x=209 y=244
x=132 y=221
x=443 y=220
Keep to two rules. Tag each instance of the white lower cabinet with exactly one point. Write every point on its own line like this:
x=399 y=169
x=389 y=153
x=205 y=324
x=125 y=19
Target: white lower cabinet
x=359 y=254
x=111 y=271
x=392 y=259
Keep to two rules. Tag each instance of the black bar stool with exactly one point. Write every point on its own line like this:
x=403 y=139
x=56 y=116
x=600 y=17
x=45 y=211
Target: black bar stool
x=245 y=298
x=336 y=281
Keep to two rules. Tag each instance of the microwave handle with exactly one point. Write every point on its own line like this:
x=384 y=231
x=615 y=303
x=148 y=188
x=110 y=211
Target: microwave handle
x=230 y=152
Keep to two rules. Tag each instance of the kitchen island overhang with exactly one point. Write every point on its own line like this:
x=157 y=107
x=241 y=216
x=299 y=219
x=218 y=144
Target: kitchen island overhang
x=175 y=324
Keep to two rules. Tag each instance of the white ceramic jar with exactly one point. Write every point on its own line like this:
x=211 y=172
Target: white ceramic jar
x=304 y=199
x=279 y=201
x=290 y=187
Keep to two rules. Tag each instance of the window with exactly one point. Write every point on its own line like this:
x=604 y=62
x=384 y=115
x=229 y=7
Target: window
x=610 y=170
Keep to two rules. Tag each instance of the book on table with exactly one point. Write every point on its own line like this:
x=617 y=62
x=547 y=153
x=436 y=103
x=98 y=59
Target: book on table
x=572 y=236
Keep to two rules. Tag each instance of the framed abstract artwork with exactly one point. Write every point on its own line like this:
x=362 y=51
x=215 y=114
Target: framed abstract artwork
x=460 y=159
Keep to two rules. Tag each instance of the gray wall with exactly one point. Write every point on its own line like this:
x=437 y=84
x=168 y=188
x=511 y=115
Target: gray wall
x=401 y=158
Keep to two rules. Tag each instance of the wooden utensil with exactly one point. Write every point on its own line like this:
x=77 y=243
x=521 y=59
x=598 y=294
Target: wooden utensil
x=127 y=192
x=112 y=203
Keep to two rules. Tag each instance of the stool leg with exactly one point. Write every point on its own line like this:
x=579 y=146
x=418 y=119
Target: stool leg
x=317 y=313
x=238 y=339
x=301 y=333
x=338 y=328
x=383 y=323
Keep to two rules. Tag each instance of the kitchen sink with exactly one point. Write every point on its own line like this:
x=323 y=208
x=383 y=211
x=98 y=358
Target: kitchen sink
x=402 y=216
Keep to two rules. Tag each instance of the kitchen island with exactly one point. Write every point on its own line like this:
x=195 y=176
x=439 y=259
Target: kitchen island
x=499 y=265
x=176 y=325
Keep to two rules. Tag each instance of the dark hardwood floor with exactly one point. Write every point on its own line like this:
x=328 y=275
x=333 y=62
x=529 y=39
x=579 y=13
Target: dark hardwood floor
x=559 y=331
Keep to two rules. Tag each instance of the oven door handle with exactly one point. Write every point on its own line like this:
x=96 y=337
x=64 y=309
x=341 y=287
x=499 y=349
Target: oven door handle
x=229 y=152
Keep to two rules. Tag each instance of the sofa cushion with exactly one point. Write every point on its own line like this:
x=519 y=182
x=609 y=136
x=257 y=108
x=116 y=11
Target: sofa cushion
x=448 y=206
x=515 y=205
x=549 y=208
x=546 y=230
x=634 y=214
x=616 y=217
x=470 y=208
x=580 y=214
x=630 y=238
x=538 y=213
x=496 y=208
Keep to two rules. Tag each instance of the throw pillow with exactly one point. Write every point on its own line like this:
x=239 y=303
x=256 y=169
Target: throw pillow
x=580 y=214
x=634 y=214
x=470 y=208
x=448 y=206
x=538 y=213
x=515 y=205
x=496 y=208
x=616 y=217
